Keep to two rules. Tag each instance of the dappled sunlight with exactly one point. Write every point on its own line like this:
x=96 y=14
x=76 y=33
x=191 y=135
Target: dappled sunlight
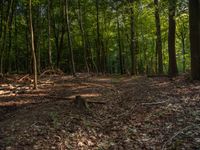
x=16 y=103
x=103 y=85
x=87 y=95
x=80 y=87
x=102 y=79
x=91 y=95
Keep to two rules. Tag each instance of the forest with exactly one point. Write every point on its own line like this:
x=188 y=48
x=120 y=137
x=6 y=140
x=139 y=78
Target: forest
x=99 y=74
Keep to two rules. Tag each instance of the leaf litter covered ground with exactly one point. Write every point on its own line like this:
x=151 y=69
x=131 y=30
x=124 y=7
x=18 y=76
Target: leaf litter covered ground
x=139 y=113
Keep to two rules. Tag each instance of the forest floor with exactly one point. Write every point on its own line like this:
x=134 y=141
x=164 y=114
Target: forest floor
x=139 y=113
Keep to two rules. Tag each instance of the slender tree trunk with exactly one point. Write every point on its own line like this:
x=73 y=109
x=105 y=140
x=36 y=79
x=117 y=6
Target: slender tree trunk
x=49 y=35
x=33 y=45
x=1 y=16
x=173 y=70
x=28 y=46
x=4 y=36
x=120 y=47
x=133 y=40
x=98 y=53
x=9 y=49
x=56 y=39
x=183 y=51
x=10 y=41
x=103 y=56
x=194 y=12
x=28 y=60
x=38 y=56
x=16 y=46
x=83 y=35
x=59 y=38
x=158 y=38
x=70 y=40
x=37 y=38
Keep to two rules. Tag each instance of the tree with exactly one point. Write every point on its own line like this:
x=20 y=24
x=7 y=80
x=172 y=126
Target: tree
x=182 y=34
x=33 y=45
x=173 y=70
x=158 y=38
x=4 y=36
x=49 y=34
x=119 y=45
x=194 y=12
x=133 y=39
x=98 y=42
x=101 y=36
x=69 y=38
x=80 y=18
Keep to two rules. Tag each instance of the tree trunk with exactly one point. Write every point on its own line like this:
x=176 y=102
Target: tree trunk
x=10 y=41
x=183 y=51
x=98 y=53
x=120 y=47
x=194 y=12
x=158 y=38
x=8 y=69
x=83 y=36
x=133 y=40
x=49 y=35
x=4 y=36
x=33 y=45
x=69 y=39
x=59 y=38
x=173 y=70
x=1 y=16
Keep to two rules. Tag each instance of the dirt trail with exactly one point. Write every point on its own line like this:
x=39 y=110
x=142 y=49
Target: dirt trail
x=140 y=113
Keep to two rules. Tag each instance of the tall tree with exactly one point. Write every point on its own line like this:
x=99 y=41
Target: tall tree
x=194 y=12
x=33 y=45
x=173 y=70
x=133 y=39
x=98 y=42
x=82 y=35
x=119 y=45
x=4 y=36
x=69 y=38
x=57 y=27
x=49 y=34
x=158 y=38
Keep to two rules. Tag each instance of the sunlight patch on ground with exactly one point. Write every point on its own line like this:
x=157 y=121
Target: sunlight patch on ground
x=79 y=87
x=88 y=95
x=102 y=79
x=15 y=103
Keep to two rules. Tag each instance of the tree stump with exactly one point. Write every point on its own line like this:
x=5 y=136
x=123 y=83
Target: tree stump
x=80 y=103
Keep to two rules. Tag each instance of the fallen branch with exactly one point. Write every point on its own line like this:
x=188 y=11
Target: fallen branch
x=72 y=99
x=154 y=103
x=52 y=71
x=64 y=98
x=22 y=78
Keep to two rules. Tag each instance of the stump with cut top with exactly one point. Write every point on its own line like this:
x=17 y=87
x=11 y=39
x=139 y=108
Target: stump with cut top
x=80 y=103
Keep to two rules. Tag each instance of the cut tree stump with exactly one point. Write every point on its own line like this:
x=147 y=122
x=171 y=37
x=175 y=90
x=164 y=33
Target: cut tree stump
x=80 y=103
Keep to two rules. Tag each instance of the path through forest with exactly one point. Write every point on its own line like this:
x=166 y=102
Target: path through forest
x=139 y=113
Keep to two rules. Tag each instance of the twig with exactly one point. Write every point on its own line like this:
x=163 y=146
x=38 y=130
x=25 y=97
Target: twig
x=52 y=71
x=154 y=103
x=63 y=98
x=23 y=77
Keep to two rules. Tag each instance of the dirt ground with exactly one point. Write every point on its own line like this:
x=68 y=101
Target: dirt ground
x=137 y=113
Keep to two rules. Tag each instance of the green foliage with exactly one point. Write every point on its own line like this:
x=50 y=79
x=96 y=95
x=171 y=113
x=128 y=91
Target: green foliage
x=109 y=12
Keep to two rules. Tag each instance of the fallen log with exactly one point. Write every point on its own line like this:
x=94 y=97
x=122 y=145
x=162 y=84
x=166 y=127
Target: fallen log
x=63 y=98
